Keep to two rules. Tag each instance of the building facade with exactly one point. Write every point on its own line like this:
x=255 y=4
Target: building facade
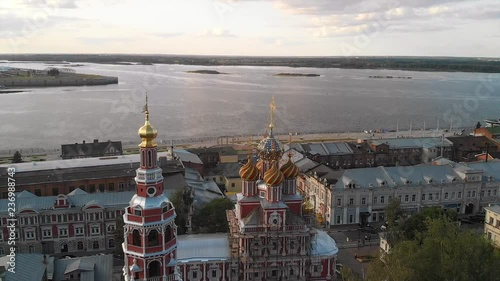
x=492 y=225
x=361 y=195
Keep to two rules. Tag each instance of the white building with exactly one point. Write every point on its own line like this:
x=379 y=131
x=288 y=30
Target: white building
x=361 y=195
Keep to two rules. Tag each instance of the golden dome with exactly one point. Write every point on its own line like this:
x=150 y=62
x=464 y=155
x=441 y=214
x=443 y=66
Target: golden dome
x=289 y=170
x=147 y=132
x=273 y=176
x=308 y=207
x=249 y=172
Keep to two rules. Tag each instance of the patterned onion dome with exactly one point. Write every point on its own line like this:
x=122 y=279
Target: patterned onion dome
x=248 y=171
x=259 y=165
x=290 y=170
x=270 y=148
x=273 y=176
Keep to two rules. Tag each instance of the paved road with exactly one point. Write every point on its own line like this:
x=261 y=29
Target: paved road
x=346 y=257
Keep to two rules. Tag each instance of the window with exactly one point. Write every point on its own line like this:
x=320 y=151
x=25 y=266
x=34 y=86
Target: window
x=47 y=233
x=363 y=201
x=137 y=212
x=382 y=199
x=63 y=231
x=423 y=196
x=459 y=195
x=413 y=197
x=111 y=228
x=351 y=218
x=473 y=194
x=274 y=273
x=195 y=274
x=101 y=187
x=407 y=198
x=136 y=238
x=38 y=192
x=351 y=201
x=79 y=245
x=55 y=191
x=491 y=220
x=95 y=245
x=489 y=193
x=29 y=235
x=339 y=202
x=430 y=196
x=233 y=184
x=214 y=273
x=153 y=238
x=375 y=200
x=437 y=196
x=111 y=243
x=494 y=192
x=468 y=194
x=121 y=185
x=92 y=188
x=94 y=230
x=111 y=186
x=445 y=195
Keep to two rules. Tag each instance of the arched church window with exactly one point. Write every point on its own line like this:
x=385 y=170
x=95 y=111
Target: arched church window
x=153 y=238
x=168 y=233
x=136 y=238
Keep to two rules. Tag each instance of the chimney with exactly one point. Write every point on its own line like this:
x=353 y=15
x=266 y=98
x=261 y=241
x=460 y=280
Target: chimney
x=96 y=140
x=83 y=141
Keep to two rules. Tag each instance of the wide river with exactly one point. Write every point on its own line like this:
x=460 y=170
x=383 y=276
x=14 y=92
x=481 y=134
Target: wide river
x=186 y=105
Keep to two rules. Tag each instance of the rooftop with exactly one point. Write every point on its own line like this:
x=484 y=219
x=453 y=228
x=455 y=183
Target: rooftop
x=399 y=143
x=202 y=247
x=92 y=268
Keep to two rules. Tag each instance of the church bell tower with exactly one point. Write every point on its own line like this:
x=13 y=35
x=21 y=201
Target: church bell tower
x=149 y=230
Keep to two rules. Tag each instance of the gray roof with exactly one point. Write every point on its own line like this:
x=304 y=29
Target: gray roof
x=322 y=148
x=198 y=247
x=399 y=176
x=29 y=267
x=494 y=209
x=229 y=170
x=413 y=142
x=96 y=268
x=204 y=190
x=323 y=245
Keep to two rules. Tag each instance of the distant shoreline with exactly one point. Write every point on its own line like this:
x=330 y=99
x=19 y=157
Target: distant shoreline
x=205 y=71
x=429 y=64
x=297 y=75
x=28 y=78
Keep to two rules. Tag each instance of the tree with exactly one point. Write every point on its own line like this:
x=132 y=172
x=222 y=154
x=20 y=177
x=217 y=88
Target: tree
x=17 y=158
x=53 y=72
x=211 y=218
x=182 y=201
x=393 y=212
x=119 y=239
x=445 y=252
x=478 y=125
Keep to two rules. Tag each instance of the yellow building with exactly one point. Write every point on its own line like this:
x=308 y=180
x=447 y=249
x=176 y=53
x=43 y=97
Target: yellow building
x=492 y=225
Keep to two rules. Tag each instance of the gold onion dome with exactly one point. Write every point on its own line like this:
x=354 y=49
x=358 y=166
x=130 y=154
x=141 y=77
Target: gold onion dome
x=273 y=176
x=147 y=132
x=308 y=207
x=249 y=172
x=290 y=170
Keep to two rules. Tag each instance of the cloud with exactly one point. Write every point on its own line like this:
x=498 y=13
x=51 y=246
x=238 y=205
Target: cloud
x=217 y=32
x=14 y=26
x=62 y=4
x=167 y=34
x=329 y=18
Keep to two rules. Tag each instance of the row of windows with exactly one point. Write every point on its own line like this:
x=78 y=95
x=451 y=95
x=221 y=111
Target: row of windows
x=91 y=188
x=63 y=232
x=425 y=196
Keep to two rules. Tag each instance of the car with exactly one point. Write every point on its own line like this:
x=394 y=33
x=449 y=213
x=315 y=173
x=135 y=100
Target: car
x=466 y=220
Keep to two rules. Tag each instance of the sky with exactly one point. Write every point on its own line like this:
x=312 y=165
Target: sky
x=253 y=27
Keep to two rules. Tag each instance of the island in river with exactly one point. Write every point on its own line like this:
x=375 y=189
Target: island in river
x=18 y=77
x=297 y=74
x=205 y=71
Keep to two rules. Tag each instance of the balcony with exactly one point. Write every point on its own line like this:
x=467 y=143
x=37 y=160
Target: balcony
x=170 y=277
